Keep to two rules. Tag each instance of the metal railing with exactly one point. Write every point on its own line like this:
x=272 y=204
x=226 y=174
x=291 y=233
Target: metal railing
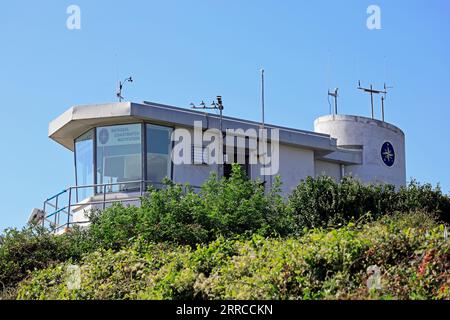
x=63 y=204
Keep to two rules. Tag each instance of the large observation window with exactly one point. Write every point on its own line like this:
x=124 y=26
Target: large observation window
x=84 y=163
x=159 y=145
x=119 y=157
x=114 y=158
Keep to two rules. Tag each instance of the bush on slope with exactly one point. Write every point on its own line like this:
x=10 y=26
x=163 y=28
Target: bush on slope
x=410 y=250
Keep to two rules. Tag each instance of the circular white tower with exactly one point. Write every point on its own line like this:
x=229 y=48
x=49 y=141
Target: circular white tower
x=382 y=146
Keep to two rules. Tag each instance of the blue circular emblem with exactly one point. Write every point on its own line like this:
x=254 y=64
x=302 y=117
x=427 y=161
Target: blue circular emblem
x=103 y=136
x=388 y=154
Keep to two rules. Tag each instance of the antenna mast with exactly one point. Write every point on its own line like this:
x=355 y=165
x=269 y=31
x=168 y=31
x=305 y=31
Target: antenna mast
x=372 y=91
x=214 y=106
x=383 y=99
x=262 y=99
x=262 y=117
x=335 y=95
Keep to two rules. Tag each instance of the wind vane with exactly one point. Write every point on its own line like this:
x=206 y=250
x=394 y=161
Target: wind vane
x=120 y=87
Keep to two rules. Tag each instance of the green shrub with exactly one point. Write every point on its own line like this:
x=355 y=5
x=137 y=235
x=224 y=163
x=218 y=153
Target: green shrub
x=417 y=197
x=173 y=214
x=226 y=241
x=35 y=248
x=322 y=202
x=238 y=205
x=318 y=265
x=177 y=214
x=314 y=202
x=115 y=227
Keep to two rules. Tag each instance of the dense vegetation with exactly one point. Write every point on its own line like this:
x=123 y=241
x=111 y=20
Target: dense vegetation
x=233 y=240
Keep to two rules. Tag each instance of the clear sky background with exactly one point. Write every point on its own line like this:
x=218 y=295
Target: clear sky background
x=180 y=52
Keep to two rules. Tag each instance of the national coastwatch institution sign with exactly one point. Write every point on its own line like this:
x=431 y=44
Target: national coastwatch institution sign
x=388 y=154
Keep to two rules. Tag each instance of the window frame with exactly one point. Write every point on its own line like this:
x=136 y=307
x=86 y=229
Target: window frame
x=96 y=156
x=172 y=143
x=94 y=137
x=143 y=151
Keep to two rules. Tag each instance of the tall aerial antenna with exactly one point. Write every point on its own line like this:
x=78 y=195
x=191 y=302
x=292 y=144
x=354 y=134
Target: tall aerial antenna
x=330 y=94
x=120 y=87
x=371 y=91
x=383 y=99
x=262 y=115
x=335 y=95
x=262 y=99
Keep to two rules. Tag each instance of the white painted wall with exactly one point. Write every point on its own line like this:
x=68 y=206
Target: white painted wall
x=295 y=165
x=325 y=168
x=194 y=174
x=370 y=135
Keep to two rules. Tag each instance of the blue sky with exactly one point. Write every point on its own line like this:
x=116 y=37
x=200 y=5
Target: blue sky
x=185 y=51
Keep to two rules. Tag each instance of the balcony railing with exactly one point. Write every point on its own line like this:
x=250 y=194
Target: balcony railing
x=63 y=205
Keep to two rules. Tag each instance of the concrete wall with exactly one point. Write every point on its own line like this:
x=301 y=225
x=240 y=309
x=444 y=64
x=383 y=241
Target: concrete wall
x=324 y=168
x=295 y=165
x=195 y=175
x=370 y=135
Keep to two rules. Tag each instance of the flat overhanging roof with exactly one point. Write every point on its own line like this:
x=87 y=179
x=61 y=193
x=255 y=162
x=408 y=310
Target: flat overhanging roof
x=79 y=119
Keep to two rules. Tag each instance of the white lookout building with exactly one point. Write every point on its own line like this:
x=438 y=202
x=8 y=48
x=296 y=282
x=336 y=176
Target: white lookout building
x=121 y=148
